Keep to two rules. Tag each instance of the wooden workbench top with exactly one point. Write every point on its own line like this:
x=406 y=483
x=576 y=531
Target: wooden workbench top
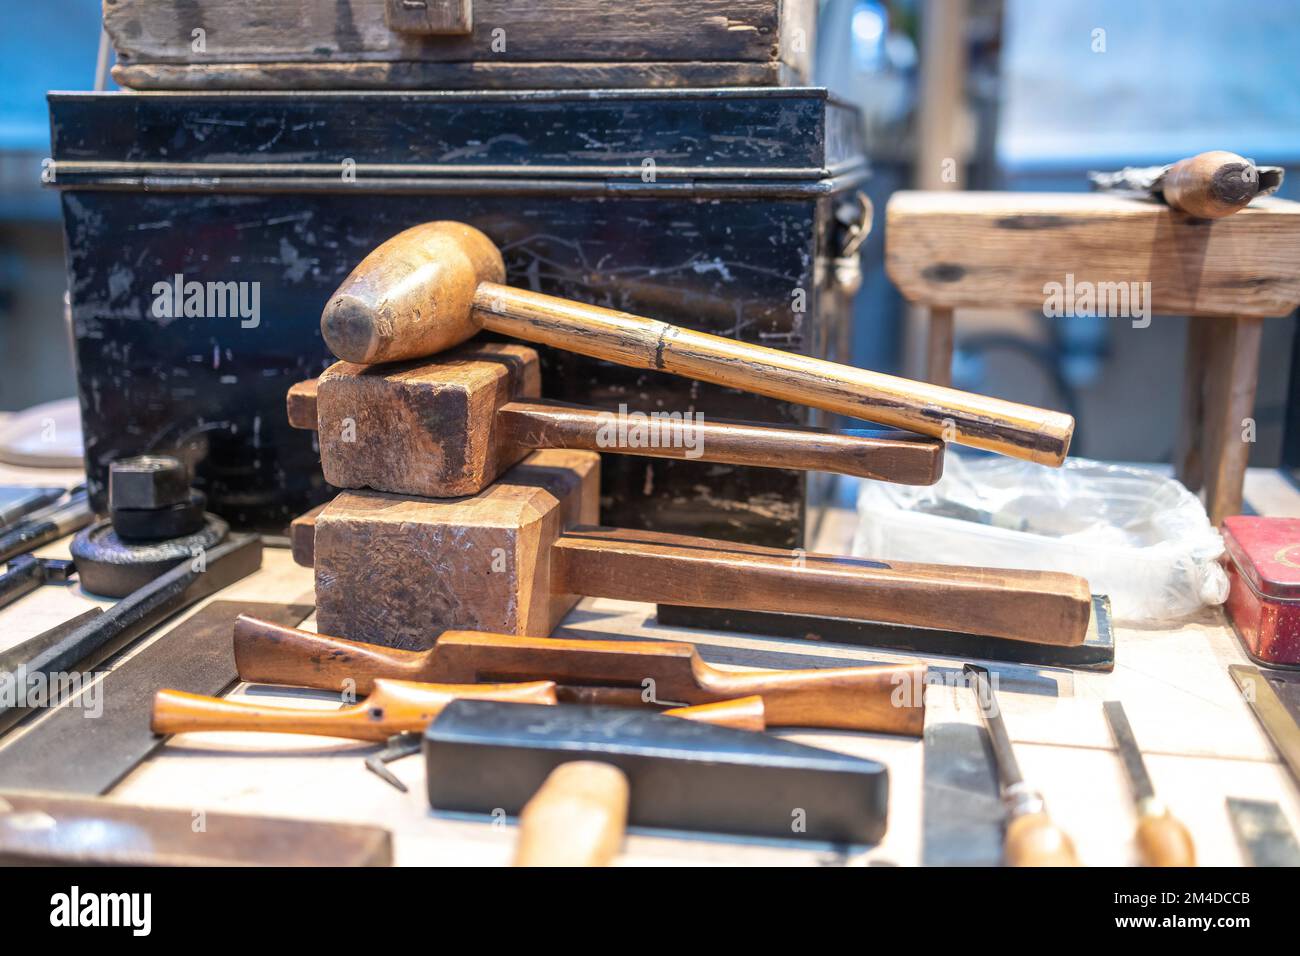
x=1201 y=741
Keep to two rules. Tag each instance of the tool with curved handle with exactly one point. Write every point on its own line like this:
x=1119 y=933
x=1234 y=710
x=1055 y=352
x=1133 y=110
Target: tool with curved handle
x=435 y=285
x=576 y=818
x=392 y=707
x=881 y=698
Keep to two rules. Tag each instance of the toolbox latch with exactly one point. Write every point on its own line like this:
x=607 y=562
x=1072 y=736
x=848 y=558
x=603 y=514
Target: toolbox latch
x=430 y=17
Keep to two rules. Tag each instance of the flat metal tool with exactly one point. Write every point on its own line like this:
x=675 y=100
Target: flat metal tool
x=46 y=525
x=1031 y=838
x=1162 y=840
x=62 y=750
x=1274 y=696
x=397 y=747
x=962 y=815
x=49 y=829
x=17 y=502
x=1096 y=653
x=484 y=756
x=25 y=574
x=1265 y=837
x=128 y=619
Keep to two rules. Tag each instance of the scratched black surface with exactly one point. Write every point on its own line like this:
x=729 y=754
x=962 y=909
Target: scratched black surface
x=728 y=266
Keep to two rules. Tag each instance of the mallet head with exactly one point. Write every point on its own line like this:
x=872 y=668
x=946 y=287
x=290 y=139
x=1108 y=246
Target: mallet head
x=427 y=427
x=412 y=295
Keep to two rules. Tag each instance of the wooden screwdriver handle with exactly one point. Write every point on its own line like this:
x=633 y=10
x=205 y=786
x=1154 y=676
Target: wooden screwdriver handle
x=1032 y=839
x=394 y=707
x=1020 y=431
x=1040 y=607
x=576 y=818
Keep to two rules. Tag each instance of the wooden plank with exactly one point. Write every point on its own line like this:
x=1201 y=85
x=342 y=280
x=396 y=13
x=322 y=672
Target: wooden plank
x=407 y=75
x=985 y=249
x=161 y=31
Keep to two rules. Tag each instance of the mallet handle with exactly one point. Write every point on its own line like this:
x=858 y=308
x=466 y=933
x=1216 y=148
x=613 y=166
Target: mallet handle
x=1020 y=431
x=1040 y=607
x=576 y=818
x=901 y=458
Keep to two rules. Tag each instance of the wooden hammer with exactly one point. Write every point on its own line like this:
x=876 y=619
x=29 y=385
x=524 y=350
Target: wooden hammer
x=449 y=426
x=435 y=285
x=514 y=559
x=880 y=698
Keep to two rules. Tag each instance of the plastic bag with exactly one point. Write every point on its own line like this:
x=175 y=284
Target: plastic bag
x=1135 y=535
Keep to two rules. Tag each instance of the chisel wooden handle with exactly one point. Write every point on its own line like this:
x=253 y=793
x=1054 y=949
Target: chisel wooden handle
x=1211 y=185
x=435 y=285
x=1039 y=607
x=1163 y=841
x=1032 y=839
x=576 y=818
x=393 y=707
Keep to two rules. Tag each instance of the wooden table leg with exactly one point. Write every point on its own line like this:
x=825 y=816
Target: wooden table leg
x=938 y=347
x=1224 y=356
x=1189 y=455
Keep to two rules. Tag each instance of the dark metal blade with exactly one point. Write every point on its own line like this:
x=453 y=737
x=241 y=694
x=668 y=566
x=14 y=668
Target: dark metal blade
x=1134 y=767
x=1275 y=699
x=1265 y=837
x=1004 y=758
x=484 y=756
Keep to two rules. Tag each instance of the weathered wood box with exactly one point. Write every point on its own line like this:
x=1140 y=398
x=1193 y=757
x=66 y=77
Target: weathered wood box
x=721 y=210
x=459 y=44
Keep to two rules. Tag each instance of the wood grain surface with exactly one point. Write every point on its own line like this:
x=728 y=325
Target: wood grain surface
x=981 y=249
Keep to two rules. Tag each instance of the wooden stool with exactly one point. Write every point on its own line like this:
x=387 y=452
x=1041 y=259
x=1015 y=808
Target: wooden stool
x=950 y=250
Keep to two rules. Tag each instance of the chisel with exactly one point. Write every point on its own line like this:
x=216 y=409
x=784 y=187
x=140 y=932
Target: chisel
x=48 y=524
x=1162 y=840
x=1031 y=838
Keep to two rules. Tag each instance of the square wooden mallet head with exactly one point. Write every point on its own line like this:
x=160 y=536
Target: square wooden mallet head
x=451 y=425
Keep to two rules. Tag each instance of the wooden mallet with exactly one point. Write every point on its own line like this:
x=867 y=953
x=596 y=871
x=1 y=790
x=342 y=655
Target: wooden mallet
x=435 y=285
x=515 y=558
x=450 y=425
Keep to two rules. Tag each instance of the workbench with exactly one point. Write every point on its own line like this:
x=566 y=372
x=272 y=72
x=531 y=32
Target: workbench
x=1201 y=741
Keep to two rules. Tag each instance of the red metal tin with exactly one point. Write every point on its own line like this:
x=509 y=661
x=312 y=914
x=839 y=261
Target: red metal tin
x=1263 y=565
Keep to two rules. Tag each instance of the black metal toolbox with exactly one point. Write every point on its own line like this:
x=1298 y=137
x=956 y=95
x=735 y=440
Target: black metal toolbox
x=185 y=213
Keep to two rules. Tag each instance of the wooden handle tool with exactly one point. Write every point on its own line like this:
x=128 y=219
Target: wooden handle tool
x=435 y=285
x=577 y=818
x=882 y=698
x=516 y=557
x=1162 y=840
x=449 y=426
x=1211 y=185
x=392 y=707
x=1031 y=838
